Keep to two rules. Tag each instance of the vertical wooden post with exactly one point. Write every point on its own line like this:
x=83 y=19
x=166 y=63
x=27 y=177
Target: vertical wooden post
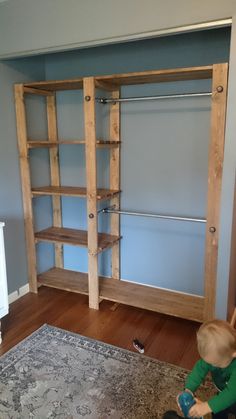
x=26 y=186
x=215 y=168
x=91 y=176
x=55 y=173
x=115 y=182
x=233 y=318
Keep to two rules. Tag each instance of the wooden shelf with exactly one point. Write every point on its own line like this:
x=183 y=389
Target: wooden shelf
x=110 y=144
x=65 y=280
x=54 y=85
x=48 y=144
x=159 y=76
x=156 y=76
x=74 y=237
x=72 y=191
x=155 y=299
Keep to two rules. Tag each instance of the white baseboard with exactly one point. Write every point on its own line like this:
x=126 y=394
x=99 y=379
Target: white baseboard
x=18 y=293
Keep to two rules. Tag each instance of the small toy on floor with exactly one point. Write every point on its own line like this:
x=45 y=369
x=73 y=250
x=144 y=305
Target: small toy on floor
x=138 y=345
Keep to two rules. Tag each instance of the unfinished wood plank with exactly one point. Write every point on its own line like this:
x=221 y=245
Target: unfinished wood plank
x=75 y=238
x=40 y=144
x=233 y=318
x=26 y=186
x=109 y=144
x=215 y=168
x=102 y=194
x=65 y=280
x=150 y=298
x=54 y=85
x=54 y=172
x=91 y=179
x=109 y=82
x=115 y=182
x=158 y=76
x=163 y=301
x=39 y=92
x=47 y=144
x=105 y=85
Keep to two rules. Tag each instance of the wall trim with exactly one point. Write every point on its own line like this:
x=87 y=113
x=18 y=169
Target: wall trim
x=124 y=38
x=15 y=295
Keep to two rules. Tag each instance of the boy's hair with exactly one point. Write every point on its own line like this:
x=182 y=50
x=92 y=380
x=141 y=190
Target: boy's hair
x=216 y=336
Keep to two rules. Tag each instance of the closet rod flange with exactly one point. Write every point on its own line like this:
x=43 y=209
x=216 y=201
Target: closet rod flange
x=144 y=214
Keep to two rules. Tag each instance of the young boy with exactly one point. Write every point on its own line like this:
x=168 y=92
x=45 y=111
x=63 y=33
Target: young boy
x=216 y=342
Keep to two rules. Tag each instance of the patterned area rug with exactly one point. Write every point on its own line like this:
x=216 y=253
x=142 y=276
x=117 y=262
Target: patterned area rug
x=58 y=374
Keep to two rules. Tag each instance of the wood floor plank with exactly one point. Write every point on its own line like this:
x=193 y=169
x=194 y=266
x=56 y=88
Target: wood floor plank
x=166 y=338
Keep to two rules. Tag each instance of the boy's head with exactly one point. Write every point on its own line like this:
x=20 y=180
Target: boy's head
x=216 y=341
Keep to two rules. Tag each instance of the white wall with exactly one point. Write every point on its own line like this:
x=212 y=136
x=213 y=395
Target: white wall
x=29 y=26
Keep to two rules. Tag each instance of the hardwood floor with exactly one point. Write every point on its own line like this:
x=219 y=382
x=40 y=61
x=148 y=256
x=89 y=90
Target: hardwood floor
x=165 y=338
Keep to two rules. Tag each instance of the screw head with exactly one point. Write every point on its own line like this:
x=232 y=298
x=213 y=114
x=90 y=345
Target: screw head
x=219 y=89
x=212 y=229
x=91 y=215
x=87 y=98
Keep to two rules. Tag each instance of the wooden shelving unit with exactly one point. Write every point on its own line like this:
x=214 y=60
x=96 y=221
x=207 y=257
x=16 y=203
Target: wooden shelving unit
x=74 y=237
x=97 y=288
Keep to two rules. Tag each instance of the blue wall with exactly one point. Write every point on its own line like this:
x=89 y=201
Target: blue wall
x=79 y=23
x=164 y=158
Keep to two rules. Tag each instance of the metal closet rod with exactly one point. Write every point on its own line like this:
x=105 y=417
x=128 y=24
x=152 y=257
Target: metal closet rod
x=105 y=100
x=144 y=214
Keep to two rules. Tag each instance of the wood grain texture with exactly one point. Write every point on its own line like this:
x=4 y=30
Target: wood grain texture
x=115 y=182
x=54 y=173
x=47 y=144
x=157 y=76
x=233 y=318
x=54 y=85
x=26 y=185
x=91 y=179
x=40 y=92
x=166 y=338
x=73 y=191
x=111 y=81
x=74 y=237
x=215 y=168
x=150 y=298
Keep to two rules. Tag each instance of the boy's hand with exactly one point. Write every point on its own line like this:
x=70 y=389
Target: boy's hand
x=199 y=409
